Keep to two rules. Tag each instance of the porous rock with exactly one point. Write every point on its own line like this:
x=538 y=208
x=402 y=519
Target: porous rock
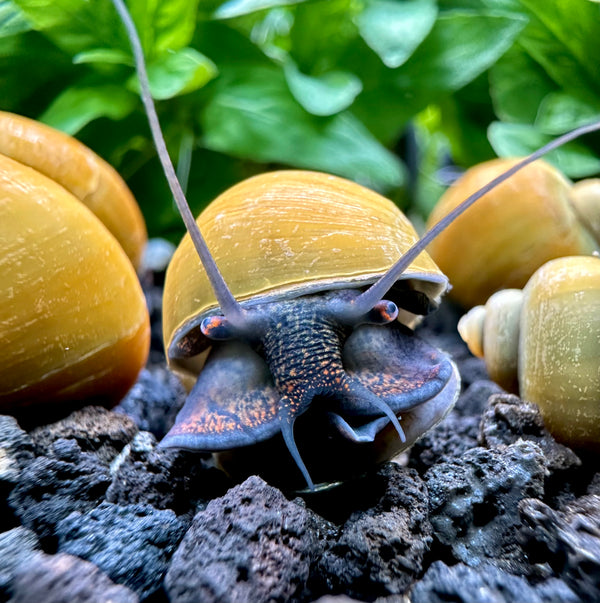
x=474 y=399
x=16 y=547
x=450 y=439
x=52 y=487
x=474 y=502
x=486 y=584
x=66 y=579
x=164 y=478
x=252 y=544
x=154 y=401
x=568 y=541
x=16 y=449
x=132 y=544
x=507 y=419
x=380 y=551
x=95 y=429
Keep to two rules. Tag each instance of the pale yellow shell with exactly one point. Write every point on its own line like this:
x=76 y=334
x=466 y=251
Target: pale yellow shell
x=284 y=234
x=557 y=351
x=80 y=171
x=73 y=319
x=510 y=232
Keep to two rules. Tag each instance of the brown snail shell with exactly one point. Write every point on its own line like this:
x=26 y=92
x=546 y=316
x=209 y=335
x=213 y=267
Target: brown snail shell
x=80 y=171
x=285 y=234
x=549 y=339
x=73 y=320
x=513 y=230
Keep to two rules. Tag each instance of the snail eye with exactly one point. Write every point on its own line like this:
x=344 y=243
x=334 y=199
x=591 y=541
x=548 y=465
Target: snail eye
x=383 y=313
x=217 y=328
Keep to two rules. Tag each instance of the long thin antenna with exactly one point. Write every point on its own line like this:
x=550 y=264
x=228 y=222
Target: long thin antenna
x=367 y=300
x=229 y=306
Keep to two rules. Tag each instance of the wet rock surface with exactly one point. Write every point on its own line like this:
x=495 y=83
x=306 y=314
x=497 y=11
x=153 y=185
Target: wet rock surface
x=250 y=545
x=66 y=579
x=486 y=507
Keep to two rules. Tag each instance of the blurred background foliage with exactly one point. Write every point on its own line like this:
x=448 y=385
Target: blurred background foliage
x=399 y=95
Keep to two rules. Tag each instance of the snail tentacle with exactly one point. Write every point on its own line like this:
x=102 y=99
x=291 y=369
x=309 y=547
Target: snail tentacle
x=377 y=290
x=229 y=305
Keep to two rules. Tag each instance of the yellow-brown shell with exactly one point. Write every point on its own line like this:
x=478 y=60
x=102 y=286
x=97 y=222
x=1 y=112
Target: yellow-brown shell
x=80 y=171
x=559 y=353
x=73 y=319
x=284 y=234
x=509 y=233
x=548 y=335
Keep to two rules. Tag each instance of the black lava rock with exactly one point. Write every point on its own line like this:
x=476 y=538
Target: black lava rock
x=16 y=547
x=474 y=502
x=16 y=450
x=380 y=551
x=65 y=579
x=131 y=544
x=52 y=487
x=454 y=436
x=250 y=545
x=154 y=401
x=94 y=428
x=507 y=419
x=487 y=584
x=164 y=478
x=568 y=541
x=473 y=401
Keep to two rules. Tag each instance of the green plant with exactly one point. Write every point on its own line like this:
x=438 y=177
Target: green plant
x=343 y=86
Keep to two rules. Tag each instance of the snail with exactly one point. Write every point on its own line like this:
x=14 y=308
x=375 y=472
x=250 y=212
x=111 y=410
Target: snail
x=296 y=249
x=291 y=328
x=534 y=217
x=73 y=320
x=543 y=342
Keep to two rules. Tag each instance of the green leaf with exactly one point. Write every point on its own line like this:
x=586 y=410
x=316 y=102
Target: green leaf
x=178 y=73
x=517 y=86
x=163 y=25
x=460 y=47
x=517 y=140
x=254 y=116
x=79 y=105
x=560 y=112
x=325 y=94
x=29 y=65
x=75 y=26
x=236 y=8
x=394 y=29
x=563 y=37
x=111 y=56
x=12 y=20
x=322 y=33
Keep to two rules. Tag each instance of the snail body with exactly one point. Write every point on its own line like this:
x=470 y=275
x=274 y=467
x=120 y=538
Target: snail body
x=535 y=216
x=73 y=320
x=545 y=341
x=317 y=240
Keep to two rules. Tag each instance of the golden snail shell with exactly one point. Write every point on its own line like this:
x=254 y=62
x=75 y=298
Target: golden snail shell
x=285 y=234
x=557 y=322
x=80 y=171
x=73 y=319
x=513 y=230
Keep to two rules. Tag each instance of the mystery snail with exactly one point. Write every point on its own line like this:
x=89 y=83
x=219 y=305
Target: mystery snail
x=534 y=217
x=73 y=320
x=304 y=355
x=296 y=248
x=543 y=342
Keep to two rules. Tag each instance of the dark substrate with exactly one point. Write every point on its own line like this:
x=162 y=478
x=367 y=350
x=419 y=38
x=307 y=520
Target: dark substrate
x=487 y=507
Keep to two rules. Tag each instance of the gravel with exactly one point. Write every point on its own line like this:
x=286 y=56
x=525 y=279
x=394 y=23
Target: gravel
x=486 y=507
